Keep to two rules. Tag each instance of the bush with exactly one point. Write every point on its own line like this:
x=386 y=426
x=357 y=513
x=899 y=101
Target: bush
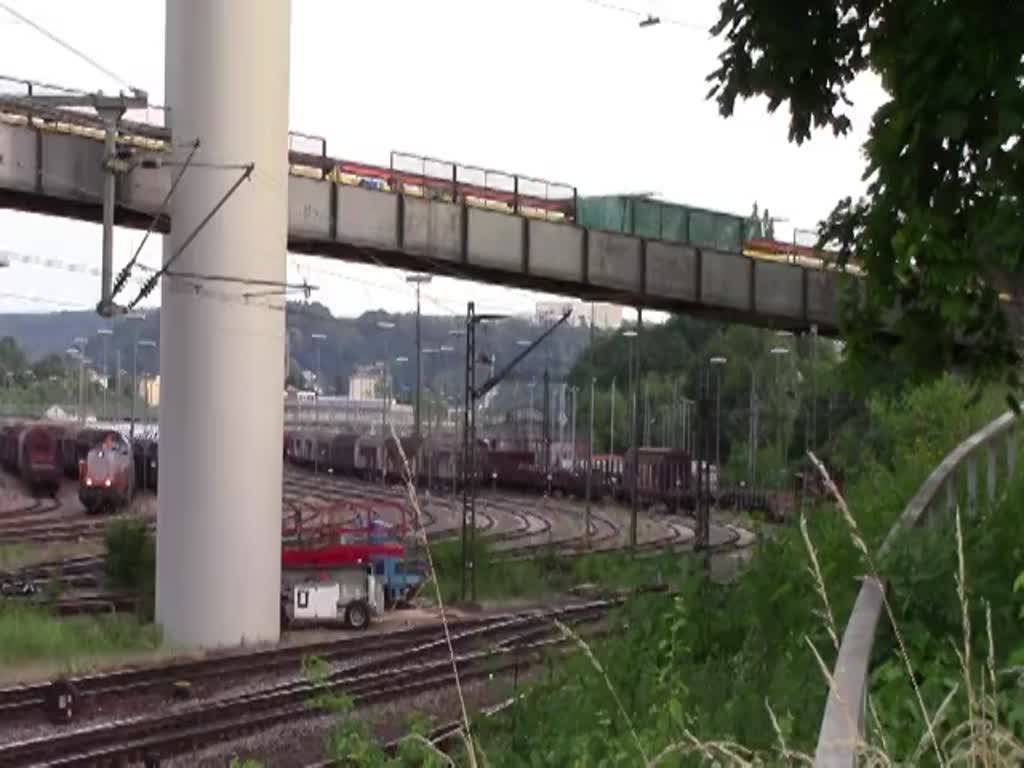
x=130 y=563
x=32 y=634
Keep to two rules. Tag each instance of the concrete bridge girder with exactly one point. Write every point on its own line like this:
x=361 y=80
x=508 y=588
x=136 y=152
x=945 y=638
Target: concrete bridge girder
x=60 y=173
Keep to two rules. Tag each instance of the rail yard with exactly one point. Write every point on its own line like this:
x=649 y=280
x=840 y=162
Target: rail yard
x=217 y=704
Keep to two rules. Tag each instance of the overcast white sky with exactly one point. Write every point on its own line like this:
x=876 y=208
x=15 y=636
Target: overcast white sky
x=559 y=89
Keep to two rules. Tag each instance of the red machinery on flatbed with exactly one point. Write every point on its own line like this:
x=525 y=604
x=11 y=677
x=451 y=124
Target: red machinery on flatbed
x=353 y=535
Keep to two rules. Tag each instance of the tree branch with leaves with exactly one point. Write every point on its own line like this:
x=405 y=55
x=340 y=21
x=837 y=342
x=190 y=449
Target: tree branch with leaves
x=940 y=231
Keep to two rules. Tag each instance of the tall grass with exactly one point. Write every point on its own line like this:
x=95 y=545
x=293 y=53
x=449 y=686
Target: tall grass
x=29 y=634
x=14 y=556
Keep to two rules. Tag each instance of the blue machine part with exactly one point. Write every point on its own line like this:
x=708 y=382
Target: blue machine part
x=400 y=578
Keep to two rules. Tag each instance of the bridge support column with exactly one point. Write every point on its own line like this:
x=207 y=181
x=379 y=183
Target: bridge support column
x=221 y=356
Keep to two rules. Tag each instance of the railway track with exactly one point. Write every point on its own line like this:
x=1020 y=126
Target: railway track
x=52 y=530
x=406 y=669
x=330 y=488
x=681 y=536
x=29 y=701
x=31 y=508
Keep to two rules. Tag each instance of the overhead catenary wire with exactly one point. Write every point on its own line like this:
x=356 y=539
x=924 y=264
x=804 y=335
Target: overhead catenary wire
x=122 y=277
x=46 y=300
x=152 y=282
x=640 y=14
x=66 y=46
x=50 y=262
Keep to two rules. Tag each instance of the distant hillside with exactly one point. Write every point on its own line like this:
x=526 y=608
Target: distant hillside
x=40 y=334
x=350 y=342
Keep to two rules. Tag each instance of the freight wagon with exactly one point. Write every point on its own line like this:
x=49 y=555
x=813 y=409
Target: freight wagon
x=32 y=452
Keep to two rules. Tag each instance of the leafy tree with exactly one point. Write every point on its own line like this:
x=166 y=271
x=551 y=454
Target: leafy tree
x=51 y=365
x=12 y=358
x=800 y=396
x=940 y=231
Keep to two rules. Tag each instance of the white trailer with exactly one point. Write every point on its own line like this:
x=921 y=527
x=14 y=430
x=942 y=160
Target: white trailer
x=350 y=596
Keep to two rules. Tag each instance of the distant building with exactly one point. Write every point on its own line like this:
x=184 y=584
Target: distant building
x=365 y=382
x=149 y=390
x=56 y=413
x=363 y=414
x=606 y=316
x=308 y=381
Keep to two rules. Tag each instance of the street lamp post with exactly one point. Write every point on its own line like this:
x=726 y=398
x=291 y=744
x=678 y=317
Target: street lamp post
x=814 y=388
x=574 y=391
x=80 y=344
x=718 y=361
x=778 y=353
x=139 y=317
x=611 y=422
x=531 y=385
x=106 y=333
x=317 y=338
x=418 y=281
x=647 y=412
x=117 y=384
x=752 y=437
x=400 y=360
x=635 y=438
x=590 y=464
x=135 y=377
x=385 y=372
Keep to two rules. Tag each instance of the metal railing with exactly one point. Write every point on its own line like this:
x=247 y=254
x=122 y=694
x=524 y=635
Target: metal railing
x=842 y=731
x=484 y=187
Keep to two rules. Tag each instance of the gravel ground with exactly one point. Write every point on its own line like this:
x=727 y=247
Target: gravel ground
x=300 y=743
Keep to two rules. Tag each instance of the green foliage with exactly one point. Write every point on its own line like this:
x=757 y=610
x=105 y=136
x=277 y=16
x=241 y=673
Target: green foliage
x=709 y=658
x=350 y=741
x=801 y=396
x=29 y=390
x=12 y=359
x=11 y=555
x=49 y=366
x=30 y=634
x=130 y=562
x=939 y=231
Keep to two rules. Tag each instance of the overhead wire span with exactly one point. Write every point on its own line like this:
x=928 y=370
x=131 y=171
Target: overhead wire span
x=44 y=300
x=50 y=262
x=66 y=45
x=403 y=288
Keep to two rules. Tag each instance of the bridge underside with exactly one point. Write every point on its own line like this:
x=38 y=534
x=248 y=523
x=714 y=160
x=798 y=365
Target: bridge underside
x=61 y=174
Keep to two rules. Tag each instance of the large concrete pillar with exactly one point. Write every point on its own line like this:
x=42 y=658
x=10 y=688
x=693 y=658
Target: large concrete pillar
x=221 y=358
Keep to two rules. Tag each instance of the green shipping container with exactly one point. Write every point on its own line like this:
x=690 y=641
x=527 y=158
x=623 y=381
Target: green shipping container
x=656 y=220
